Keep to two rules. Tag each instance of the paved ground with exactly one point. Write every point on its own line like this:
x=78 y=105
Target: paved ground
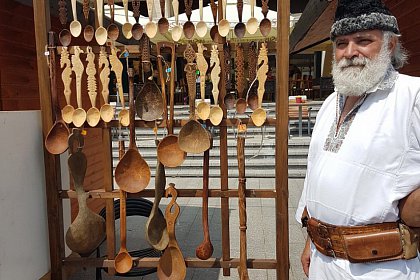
x=260 y=233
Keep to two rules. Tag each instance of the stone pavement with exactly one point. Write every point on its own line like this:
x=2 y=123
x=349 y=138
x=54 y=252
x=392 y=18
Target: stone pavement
x=189 y=234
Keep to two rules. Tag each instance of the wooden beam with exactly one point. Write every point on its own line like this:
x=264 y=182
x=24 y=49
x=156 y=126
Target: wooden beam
x=281 y=149
x=51 y=162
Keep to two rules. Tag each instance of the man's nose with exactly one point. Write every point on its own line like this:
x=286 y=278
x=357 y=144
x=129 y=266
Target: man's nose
x=351 y=50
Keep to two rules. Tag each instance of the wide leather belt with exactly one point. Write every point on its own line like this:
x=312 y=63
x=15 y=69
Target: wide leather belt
x=370 y=243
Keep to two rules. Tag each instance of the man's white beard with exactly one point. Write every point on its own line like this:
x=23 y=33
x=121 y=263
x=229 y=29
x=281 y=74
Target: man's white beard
x=353 y=77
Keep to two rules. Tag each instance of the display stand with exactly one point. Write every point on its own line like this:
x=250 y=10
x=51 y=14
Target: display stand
x=55 y=193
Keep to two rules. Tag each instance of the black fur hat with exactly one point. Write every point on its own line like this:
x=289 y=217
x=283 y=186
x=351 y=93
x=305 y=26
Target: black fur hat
x=357 y=15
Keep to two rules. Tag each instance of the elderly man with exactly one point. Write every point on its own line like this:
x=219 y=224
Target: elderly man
x=364 y=157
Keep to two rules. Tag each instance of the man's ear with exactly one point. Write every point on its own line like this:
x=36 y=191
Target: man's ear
x=393 y=43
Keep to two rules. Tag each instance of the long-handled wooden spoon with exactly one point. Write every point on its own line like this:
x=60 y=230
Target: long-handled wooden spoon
x=229 y=99
x=132 y=173
x=240 y=28
x=107 y=111
x=67 y=111
x=117 y=68
x=214 y=30
x=189 y=27
x=177 y=30
x=205 y=249
x=224 y=25
x=56 y=140
x=101 y=33
x=64 y=36
x=203 y=108
x=260 y=115
x=251 y=97
x=112 y=29
x=93 y=115
x=265 y=24
x=75 y=26
x=89 y=31
x=123 y=261
x=169 y=153
x=201 y=27
x=79 y=115
x=240 y=69
x=137 y=29
x=216 y=113
x=126 y=28
x=163 y=23
x=151 y=27
x=172 y=264
x=252 y=23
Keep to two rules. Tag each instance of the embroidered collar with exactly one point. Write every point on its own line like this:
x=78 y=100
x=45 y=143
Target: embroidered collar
x=387 y=81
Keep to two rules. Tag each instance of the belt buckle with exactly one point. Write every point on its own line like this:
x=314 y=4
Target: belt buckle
x=323 y=233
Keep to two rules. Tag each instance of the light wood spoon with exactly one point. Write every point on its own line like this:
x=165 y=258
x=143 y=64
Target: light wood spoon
x=151 y=27
x=67 y=111
x=75 y=26
x=93 y=115
x=117 y=68
x=126 y=28
x=107 y=111
x=216 y=113
x=260 y=115
x=203 y=108
x=101 y=34
x=79 y=115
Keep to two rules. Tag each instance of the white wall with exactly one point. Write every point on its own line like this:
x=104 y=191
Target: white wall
x=24 y=250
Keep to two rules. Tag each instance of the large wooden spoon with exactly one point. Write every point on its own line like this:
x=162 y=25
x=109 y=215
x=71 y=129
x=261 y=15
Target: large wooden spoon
x=107 y=111
x=75 y=26
x=169 y=153
x=79 y=115
x=163 y=23
x=224 y=25
x=177 y=30
x=189 y=27
x=117 y=68
x=151 y=27
x=205 y=249
x=132 y=173
x=123 y=261
x=193 y=137
x=251 y=97
x=93 y=115
x=214 y=30
x=265 y=24
x=203 y=108
x=87 y=230
x=240 y=28
x=216 y=113
x=240 y=69
x=252 y=23
x=64 y=36
x=101 y=33
x=112 y=29
x=137 y=29
x=67 y=111
x=172 y=264
x=56 y=140
x=260 y=115
x=126 y=28
x=89 y=31
x=156 y=232
x=201 y=27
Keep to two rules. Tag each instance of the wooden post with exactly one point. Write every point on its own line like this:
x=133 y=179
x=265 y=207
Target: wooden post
x=282 y=192
x=51 y=162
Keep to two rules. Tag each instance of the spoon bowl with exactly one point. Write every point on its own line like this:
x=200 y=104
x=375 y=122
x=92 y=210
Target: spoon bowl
x=101 y=35
x=65 y=37
x=67 y=113
x=265 y=27
x=93 y=116
x=113 y=31
x=126 y=30
x=137 y=31
x=240 y=30
x=259 y=116
x=163 y=25
x=107 y=112
x=252 y=25
x=201 y=29
x=189 y=29
x=177 y=33
x=150 y=29
x=75 y=28
x=240 y=105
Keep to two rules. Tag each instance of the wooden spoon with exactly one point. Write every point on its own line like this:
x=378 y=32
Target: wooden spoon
x=117 y=68
x=112 y=29
x=151 y=27
x=224 y=25
x=193 y=137
x=101 y=33
x=177 y=30
x=252 y=23
x=265 y=24
x=126 y=28
x=214 y=30
x=87 y=231
x=205 y=250
x=203 y=108
x=132 y=173
x=251 y=97
x=259 y=115
x=137 y=29
x=65 y=35
x=79 y=115
x=243 y=270
x=67 y=111
x=75 y=26
x=229 y=99
x=123 y=261
x=171 y=264
x=163 y=23
x=189 y=28
x=107 y=111
x=169 y=153
x=201 y=27
x=240 y=27
x=156 y=232
x=89 y=31
x=56 y=140
x=93 y=115
x=216 y=113
x=240 y=69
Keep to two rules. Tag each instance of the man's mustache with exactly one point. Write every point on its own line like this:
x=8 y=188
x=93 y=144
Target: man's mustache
x=355 y=61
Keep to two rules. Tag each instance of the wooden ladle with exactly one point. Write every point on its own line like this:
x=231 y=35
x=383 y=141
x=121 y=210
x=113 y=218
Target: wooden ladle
x=169 y=153
x=67 y=111
x=75 y=26
x=126 y=28
x=216 y=113
x=117 y=68
x=205 y=250
x=189 y=28
x=156 y=232
x=203 y=108
x=240 y=28
x=87 y=231
x=89 y=31
x=193 y=137
x=177 y=30
x=265 y=24
x=172 y=264
x=137 y=29
x=79 y=115
x=132 y=173
x=101 y=33
x=201 y=27
x=107 y=111
x=56 y=140
x=163 y=23
x=93 y=115
x=259 y=115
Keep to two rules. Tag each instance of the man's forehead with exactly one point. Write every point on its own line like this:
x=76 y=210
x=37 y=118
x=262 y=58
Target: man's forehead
x=376 y=33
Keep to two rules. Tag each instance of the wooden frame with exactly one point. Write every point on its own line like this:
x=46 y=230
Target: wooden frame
x=55 y=194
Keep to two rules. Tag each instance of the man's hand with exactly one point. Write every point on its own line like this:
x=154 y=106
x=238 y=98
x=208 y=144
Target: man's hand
x=410 y=209
x=306 y=256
